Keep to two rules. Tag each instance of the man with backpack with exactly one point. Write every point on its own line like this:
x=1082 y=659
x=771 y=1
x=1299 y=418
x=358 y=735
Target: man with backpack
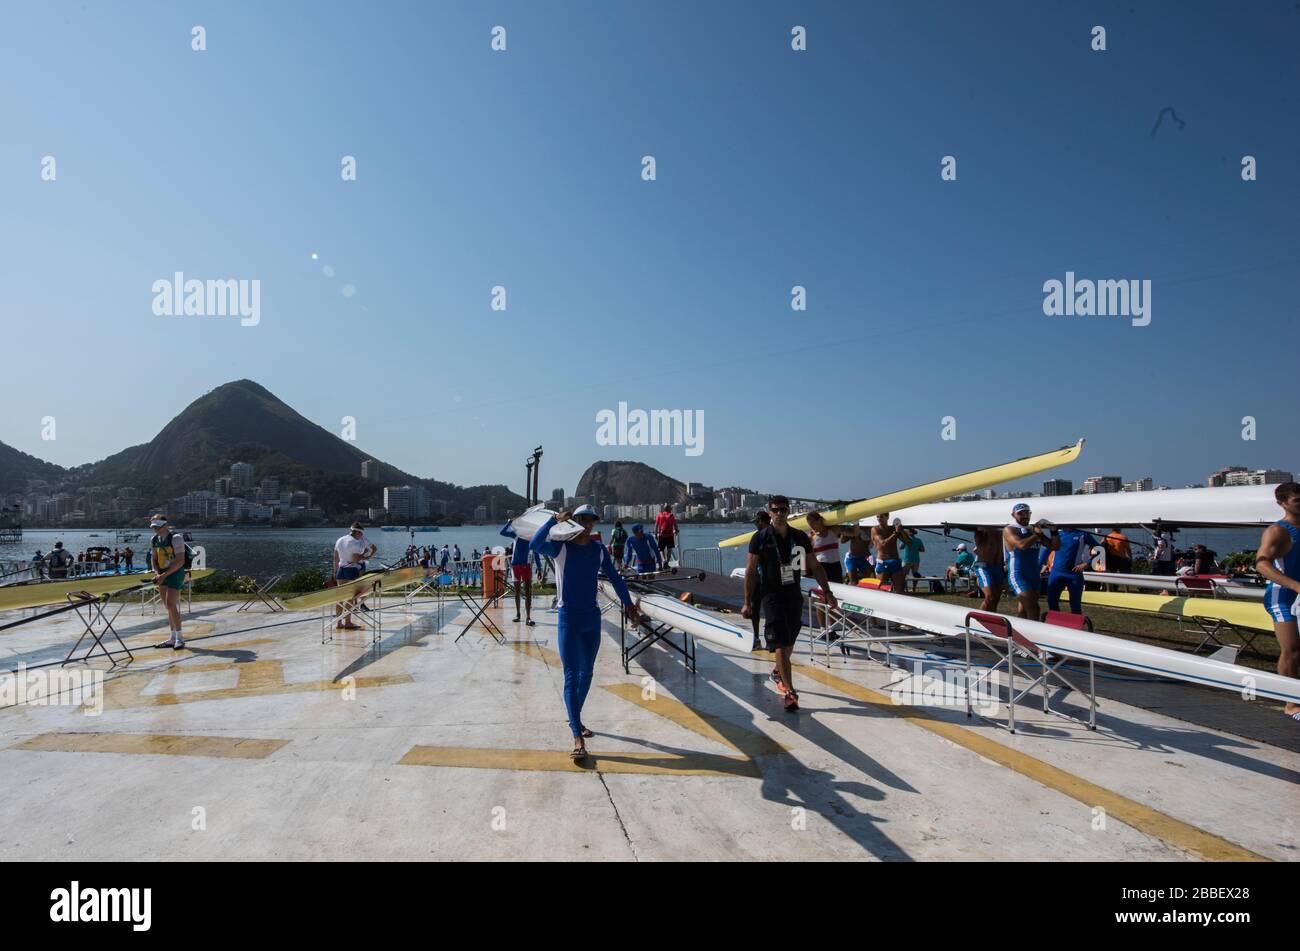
x=59 y=562
x=167 y=556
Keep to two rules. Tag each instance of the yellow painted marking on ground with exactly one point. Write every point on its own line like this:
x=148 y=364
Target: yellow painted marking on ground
x=719 y=729
x=234 y=747
x=257 y=678
x=1135 y=814
x=656 y=764
x=547 y=656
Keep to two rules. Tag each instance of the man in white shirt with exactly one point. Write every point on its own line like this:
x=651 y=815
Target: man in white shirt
x=350 y=554
x=1162 y=557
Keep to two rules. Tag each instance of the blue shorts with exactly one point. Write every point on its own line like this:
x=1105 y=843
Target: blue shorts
x=1279 y=602
x=349 y=572
x=858 y=564
x=888 y=566
x=990 y=576
x=1022 y=574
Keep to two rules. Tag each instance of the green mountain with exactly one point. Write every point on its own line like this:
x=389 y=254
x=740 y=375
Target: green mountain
x=16 y=468
x=244 y=422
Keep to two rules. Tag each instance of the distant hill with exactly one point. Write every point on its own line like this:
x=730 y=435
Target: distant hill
x=17 y=467
x=629 y=483
x=244 y=422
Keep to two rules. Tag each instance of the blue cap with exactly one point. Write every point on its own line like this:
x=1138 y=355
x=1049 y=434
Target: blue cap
x=638 y=527
x=1019 y=507
x=585 y=510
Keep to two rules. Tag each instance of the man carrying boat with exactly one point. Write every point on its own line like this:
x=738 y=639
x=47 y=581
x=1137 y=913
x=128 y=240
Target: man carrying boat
x=522 y=572
x=858 y=560
x=578 y=563
x=666 y=529
x=643 y=552
x=1069 y=562
x=1278 y=560
x=1022 y=542
x=350 y=554
x=167 y=555
x=889 y=567
x=777 y=555
x=990 y=573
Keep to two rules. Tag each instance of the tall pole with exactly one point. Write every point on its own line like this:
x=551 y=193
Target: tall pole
x=528 y=480
x=537 y=475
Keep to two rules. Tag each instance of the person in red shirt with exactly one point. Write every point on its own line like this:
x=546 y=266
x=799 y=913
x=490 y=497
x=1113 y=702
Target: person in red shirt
x=666 y=531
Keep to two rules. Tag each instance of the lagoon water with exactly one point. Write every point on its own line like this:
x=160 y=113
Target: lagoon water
x=268 y=551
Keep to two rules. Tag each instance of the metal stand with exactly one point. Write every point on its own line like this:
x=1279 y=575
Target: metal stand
x=1008 y=644
x=849 y=625
x=261 y=593
x=645 y=635
x=479 y=609
x=372 y=619
x=95 y=608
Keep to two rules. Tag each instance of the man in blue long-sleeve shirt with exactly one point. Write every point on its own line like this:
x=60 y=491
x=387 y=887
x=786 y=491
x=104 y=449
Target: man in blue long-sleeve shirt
x=578 y=563
x=642 y=551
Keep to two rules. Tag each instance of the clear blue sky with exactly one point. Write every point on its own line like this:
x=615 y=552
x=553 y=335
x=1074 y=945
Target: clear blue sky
x=775 y=168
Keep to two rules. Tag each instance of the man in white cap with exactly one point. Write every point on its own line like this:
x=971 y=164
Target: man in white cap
x=350 y=554
x=578 y=564
x=1020 y=544
x=960 y=568
x=167 y=558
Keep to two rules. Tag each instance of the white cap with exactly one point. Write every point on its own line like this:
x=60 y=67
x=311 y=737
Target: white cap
x=961 y=547
x=586 y=510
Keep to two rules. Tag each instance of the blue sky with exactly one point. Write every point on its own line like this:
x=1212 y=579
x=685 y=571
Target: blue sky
x=775 y=168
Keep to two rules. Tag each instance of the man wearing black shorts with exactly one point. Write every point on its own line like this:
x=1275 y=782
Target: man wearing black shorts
x=779 y=554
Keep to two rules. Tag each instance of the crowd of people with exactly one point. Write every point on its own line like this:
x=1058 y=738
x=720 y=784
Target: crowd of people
x=59 y=563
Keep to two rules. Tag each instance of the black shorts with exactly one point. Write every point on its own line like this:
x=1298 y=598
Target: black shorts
x=782 y=617
x=834 y=571
x=665 y=541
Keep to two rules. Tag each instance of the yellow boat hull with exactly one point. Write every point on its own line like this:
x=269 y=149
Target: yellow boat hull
x=45 y=593
x=934 y=491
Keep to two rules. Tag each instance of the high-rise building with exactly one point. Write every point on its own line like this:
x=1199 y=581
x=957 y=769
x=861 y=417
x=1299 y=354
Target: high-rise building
x=241 y=475
x=1058 y=487
x=557 y=495
x=270 y=487
x=370 y=469
x=1257 y=477
x=1141 y=485
x=1219 y=478
x=1099 y=484
x=222 y=486
x=407 y=501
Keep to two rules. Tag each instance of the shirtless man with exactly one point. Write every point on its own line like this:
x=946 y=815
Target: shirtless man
x=1278 y=560
x=859 y=549
x=889 y=567
x=989 y=573
x=1022 y=543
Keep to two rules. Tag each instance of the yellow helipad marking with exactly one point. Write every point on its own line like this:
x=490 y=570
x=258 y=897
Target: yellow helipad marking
x=720 y=730
x=657 y=764
x=162 y=744
x=724 y=732
x=257 y=678
x=1130 y=812
x=536 y=651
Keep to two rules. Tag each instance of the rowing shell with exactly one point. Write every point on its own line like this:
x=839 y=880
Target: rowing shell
x=949 y=619
x=528 y=524
x=44 y=593
x=396 y=578
x=1170 y=583
x=702 y=625
x=1240 y=613
x=1206 y=508
x=932 y=491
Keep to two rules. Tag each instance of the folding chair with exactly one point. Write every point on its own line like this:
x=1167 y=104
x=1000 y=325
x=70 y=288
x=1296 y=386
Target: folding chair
x=262 y=593
x=1008 y=644
x=1080 y=622
x=1188 y=587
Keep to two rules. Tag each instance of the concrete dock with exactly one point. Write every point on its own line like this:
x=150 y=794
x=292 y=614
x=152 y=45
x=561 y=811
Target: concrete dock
x=258 y=741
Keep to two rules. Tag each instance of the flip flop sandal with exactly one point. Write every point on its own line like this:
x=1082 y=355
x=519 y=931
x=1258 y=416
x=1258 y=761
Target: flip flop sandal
x=578 y=755
x=587 y=733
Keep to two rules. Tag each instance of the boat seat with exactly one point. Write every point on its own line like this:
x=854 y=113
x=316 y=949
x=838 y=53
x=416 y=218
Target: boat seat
x=1079 y=622
x=1190 y=587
